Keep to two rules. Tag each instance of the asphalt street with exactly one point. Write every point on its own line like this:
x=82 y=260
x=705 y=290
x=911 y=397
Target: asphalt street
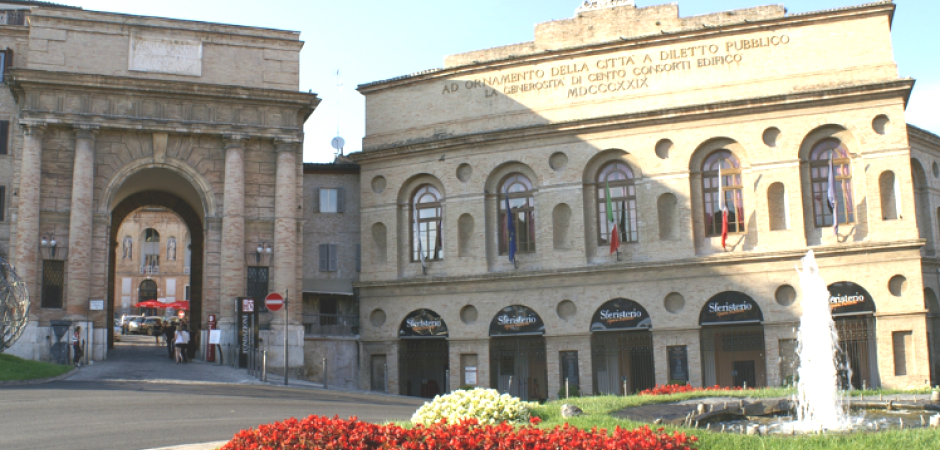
x=106 y=410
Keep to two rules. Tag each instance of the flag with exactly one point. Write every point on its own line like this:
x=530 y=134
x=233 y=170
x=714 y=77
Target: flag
x=511 y=230
x=833 y=202
x=439 y=242
x=723 y=208
x=614 y=237
x=623 y=217
x=418 y=233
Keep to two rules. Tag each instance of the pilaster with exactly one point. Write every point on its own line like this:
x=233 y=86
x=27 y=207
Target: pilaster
x=285 y=226
x=232 y=283
x=26 y=257
x=78 y=271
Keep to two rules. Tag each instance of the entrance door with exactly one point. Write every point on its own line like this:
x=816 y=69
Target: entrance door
x=519 y=368
x=378 y=367
x=623 y=362
x=422 y=365
x=858 y=359
x=744 y=373
x=732 y=355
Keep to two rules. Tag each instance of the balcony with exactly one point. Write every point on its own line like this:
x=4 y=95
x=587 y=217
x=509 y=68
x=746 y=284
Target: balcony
x=13 y=17
x=330 y=325
x=150 y=270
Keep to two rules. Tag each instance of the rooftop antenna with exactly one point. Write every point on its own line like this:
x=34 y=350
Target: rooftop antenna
x=338 y=142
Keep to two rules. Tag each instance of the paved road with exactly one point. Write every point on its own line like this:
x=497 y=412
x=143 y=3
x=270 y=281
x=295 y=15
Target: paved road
x=116 y=411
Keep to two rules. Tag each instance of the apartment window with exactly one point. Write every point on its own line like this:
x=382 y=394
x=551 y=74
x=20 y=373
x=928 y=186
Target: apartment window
x=616 y=178
x=328 y=260
x=332 y=200
x=520 y=192
x=53 y=283
x=426 y=224
x=825 y=152
x=6 y=61
x=730 y=188
x=4 y=135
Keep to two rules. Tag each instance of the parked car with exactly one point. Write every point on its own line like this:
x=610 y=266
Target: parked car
x=146 y=327
x=134 y=324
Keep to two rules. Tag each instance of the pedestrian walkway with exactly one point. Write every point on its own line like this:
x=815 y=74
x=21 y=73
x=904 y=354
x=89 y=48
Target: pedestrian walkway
x=138 y=358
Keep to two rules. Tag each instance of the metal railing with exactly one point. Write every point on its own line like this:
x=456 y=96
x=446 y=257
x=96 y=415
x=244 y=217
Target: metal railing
x=330 y=325
x=13 y=17
x=150 y=270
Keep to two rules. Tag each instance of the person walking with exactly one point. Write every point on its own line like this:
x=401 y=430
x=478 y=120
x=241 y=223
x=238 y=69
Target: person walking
x=179 y=344
x=169 y=336
x=157 y=330
x=77 y=352
x=185 y=332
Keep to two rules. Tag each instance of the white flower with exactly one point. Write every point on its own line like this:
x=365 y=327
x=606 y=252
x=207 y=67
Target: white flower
x=486 y=405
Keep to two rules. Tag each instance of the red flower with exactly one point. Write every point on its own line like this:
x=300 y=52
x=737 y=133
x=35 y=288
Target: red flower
x=535 y=420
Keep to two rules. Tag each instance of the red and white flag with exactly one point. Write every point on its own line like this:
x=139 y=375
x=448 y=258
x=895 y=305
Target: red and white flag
x=723 y=208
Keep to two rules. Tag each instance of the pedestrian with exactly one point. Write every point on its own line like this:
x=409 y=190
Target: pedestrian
x=77 y=352
x=157 y=330
x=169 y=335
x=179 y=344
x=185 y=333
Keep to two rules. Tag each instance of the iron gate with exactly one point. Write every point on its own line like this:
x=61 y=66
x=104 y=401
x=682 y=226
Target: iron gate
x=422 y=365
x=858 y=360
x=518 y=366
x=623 y=362
x=733 y=356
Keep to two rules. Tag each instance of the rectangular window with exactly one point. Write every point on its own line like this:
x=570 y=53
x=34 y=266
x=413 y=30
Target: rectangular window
x=257 y=287
x=4 y=136
x=53 y=283
x=186 y=293
x=3 y=203
x=328 y=199
x=902 y=340
x=328 y=258
x=3 y=65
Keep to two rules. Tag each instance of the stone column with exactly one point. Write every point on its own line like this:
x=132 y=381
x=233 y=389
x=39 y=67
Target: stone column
x=78 y=270
x=27 y=216
x=232 y=283
x=285 y=223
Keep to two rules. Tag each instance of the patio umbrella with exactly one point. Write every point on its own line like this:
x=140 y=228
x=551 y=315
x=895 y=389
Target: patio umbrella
x=150 y=304
x=179 y=305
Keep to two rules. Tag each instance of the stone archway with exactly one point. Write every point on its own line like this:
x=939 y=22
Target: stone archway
x=193 y=220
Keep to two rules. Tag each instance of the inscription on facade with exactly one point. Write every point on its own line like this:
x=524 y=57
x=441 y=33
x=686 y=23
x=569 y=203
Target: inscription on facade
x=629 y=72
x=161 y=55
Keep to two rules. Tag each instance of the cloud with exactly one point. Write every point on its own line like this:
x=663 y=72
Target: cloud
x=923 y=110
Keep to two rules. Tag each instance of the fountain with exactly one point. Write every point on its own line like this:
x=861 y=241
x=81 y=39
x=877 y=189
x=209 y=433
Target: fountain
x=820 y=404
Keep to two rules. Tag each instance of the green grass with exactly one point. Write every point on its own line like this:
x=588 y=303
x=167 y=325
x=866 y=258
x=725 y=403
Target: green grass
x=598 y=409
x=17 y=369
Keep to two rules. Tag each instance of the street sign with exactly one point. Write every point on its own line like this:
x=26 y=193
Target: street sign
x=274 y=301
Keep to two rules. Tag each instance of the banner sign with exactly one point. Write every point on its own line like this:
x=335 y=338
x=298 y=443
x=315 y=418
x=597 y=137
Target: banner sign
x=621 y=314
x=847 y=298
x=247 y=328
x=422 y=323
x=730 y=307
x=515 y=320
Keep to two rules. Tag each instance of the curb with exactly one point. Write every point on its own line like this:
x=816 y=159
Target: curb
x=203 y=446
x=38 y=380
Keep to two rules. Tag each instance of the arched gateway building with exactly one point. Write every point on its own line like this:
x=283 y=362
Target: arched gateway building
x=622 y=202
x=105 y=114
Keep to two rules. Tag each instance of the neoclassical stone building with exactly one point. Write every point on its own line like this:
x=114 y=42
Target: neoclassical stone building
x=104 y=114
x=622 y=118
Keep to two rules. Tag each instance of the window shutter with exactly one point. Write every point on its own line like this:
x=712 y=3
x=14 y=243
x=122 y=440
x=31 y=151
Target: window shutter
x=324 y=257
x=319 y=197
x=340 y=199
x=358 y=257
x=333 y=262
x=4 y=136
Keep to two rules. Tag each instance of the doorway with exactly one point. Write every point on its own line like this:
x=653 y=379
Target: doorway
x=623 y=362
x=734 y=356
x=423 y=366
x=519 y=367
x=858 y=351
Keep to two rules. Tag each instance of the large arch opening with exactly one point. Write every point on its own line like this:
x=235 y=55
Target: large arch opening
x=423 y=354
x=622 y=347
x=135 y=195
x=733 y=353
x=518 y=363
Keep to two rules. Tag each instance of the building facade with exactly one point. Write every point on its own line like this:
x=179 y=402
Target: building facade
x=110 y=113
x=492 y=190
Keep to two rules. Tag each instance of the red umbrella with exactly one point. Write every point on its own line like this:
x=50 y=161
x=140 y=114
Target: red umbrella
x=179 y=305
x=150 y=304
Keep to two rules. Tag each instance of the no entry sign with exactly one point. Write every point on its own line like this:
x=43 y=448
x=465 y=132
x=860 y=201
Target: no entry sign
x=274 y=301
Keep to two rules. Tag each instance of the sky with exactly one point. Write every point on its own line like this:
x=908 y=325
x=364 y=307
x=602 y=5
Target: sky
x=371 y=40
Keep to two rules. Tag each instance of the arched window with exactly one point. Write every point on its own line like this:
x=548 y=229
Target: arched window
x=518 y=189
x=147 y=291
x=820 y=156
x=426 y=224
x=618 y=177
x=731 y=188
x=150 y=251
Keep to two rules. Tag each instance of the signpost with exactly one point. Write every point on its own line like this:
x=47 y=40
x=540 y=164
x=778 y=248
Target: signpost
x=274 y=301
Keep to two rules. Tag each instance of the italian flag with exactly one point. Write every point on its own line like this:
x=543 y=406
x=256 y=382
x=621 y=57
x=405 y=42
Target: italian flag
x=612 y=222
x=723 y=208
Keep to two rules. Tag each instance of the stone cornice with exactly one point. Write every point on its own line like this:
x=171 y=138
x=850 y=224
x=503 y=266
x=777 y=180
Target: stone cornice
x=158 y=105
x=893 y=89
x=923 y=135
x=724 y=259
x=632 y=44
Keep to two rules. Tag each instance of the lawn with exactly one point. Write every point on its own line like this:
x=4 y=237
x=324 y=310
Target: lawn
x=13 y=368
x=597 y=411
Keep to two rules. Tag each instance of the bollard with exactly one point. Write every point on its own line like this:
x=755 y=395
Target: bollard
x=567 y=395
x=624 y=388
x=509 y=390
x=447 y=381
x=325 y=378
x=264 y=365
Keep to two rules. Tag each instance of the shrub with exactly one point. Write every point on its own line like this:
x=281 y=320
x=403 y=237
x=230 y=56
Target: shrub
x=485 y=405
x=680 y=388
x=573 y=391
x=317 y=432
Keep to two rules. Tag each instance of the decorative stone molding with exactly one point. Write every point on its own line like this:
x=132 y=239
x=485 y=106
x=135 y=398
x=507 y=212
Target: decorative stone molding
x=284 y=145
x=85 y=131
x=234 y=141
x=36 y=129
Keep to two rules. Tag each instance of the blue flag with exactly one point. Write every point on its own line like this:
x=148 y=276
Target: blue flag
x=511 y=228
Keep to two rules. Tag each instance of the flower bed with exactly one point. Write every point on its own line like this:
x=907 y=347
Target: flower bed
x=318 y=432
x=680 y=388
x=485 y=405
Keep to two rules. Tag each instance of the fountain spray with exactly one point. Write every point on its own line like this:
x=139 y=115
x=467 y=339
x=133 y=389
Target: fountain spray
x=819 y=402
